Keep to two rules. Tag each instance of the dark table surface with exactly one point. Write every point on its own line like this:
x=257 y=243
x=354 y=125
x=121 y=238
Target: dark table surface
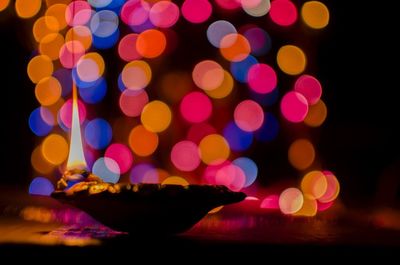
x=37 y=226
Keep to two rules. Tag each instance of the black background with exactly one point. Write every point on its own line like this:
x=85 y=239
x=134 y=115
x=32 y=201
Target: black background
x=357 y=59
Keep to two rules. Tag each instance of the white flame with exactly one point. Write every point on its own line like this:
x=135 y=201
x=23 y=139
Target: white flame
x=76 y=157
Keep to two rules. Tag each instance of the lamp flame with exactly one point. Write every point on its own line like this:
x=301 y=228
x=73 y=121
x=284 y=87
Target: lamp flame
x=76 y=157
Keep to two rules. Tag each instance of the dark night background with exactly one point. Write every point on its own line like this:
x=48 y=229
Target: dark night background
x=357 y=61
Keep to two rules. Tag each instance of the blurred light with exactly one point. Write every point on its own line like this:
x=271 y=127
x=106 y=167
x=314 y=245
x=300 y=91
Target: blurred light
x=309 y=207
x=214 y=149
x=39 y=67
x=324 y=206
x=315 y=14
x=231 y=176
x=301 y=154
x=27 y=8
x=290 y=201
x=224 y=89
x=210 y=172
x=4 y=4
x=37 y=124
x=41 y=186
x=78 y=13
x=48 y=91
x=70 y=53
x=139 y=172
x=39 y=163
x=65 y=113
x=81 y=34
x=185 y=156
x=234 y=47
x=121 y=154
x=104 y=23
x=265 y=100
x=132 y=102
x=241 y=69
x=99 y=3
x=316 y=114
x=332 y=190
x=50 y=113
x=216 y=209
x=259 y=39
x=270 y=202
x=55 y=149
x=44 y=26
x=174 y=85
x=196 y=11
x=65 y=78
x=314 y=184
x=310 y=87
x=283 y=12
x=249 y=168
x=142 y=142
x=237 y=139
x=164 y=14
x=291 y=59
x=58 y=12
x=198 y=131
x=294 y=107
x=51 y=44
x=196 y=107
x=103 y=43
x=151 y=43
x=228 y=4
x=136 y=75
x=262 y=78
x=107 y=169
x=127 y=48
x=98 y=133
x=256 y=8
x=218 y=30
x=95 y=92
x=175 y=181
x=156 y=116
x=90 y=67
x=248 y=115
x=208 y=75
x=269 y=129
x=135 y=13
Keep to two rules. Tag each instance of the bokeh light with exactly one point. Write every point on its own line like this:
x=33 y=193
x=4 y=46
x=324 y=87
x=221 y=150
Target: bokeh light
x=164 y=14
x=127 y=48
x=185 y=156
x=214 y=149
x=121 y=154
x=262 y=78
x=44 y=26
x=259 y=39
x=90 y=67
x=70 y=53
x=4 y=4
x=294 y=107
x=301 y=154
x=39 y=67
x=314 y=184
x=309 y=208
x=196 y=107
x=55 y=149
x=283 y=12
x=234 y=47
x=290 y=201
x=208 y=75
x=136 y=75
x=270 y=202
x=65 y=113
x=249 y=168
x=196 y=11
x=57 y=11
x=291 y=59
x=249 y=115
x=315 y=14
x=81 y=34
x=78 y=13
x=231 y=176
x=156 y=116
x=143 y=142
x=316 y=114
x=48 y=91
x=132 y=102
x=198 y=131
x=269 y=129
x=41 y=186
x=240 y=69
x=218 y=30
x=310 y=87
x=39 y=163
x=256 y=8
x=98 y=133
x=38 y=124
x=50 y=45
x=174 y=180
x=332 y=190
x=107 y=169
x=151 y=43
x=237 y=139
x=27 y=8
x=224 y=89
